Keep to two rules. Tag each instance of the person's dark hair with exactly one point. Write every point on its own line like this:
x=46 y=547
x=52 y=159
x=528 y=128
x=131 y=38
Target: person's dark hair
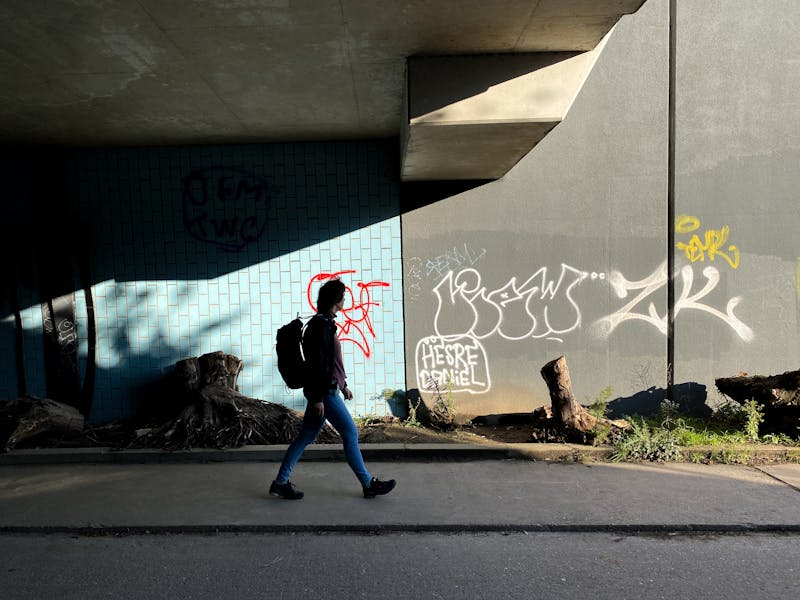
x=329 y=294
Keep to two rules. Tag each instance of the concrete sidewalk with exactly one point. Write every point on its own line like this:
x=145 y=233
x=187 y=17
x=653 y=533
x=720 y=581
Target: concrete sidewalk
x=274 y=453
x=461 y=491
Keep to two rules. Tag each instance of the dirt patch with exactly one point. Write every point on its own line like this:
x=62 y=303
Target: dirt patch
x=389 y=433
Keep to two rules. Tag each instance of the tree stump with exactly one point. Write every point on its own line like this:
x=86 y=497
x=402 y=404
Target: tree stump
x=218 y=367
x=566 y=413
x=214 y=414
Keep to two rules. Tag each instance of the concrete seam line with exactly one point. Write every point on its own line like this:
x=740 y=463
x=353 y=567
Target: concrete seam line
x=640 y=529
x=776 y=478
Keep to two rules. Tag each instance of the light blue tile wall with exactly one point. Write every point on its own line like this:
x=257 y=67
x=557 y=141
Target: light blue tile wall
x=163 y=293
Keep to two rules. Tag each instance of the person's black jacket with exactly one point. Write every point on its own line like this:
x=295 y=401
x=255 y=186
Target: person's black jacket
x=318 y=351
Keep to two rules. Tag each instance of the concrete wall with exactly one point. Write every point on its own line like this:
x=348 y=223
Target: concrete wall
x=737 y=157
x=567 y=254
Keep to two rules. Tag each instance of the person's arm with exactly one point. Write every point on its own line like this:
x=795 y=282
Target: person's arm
x=315 y=347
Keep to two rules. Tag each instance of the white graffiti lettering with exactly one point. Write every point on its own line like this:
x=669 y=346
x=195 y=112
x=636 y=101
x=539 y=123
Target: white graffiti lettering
x=455 y=258
x=413 y=278
x=67 y=332
x=514 y=311
x=457 y=363
x=686 y=301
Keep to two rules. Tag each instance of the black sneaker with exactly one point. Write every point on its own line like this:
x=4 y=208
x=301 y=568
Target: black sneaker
x=377 y=487
x=287 y=491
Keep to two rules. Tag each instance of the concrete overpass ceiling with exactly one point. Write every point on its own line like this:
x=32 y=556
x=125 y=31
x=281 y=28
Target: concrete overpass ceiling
x=154 y=72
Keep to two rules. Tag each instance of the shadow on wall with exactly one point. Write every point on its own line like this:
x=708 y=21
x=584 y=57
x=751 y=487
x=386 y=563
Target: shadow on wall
x=137 y=376
x=395 y=401
x=76 y=217
x=141 y=399
x=690 y=398
x=416 y=194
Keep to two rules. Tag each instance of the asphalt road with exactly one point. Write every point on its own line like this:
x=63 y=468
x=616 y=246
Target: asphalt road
x=334 y=566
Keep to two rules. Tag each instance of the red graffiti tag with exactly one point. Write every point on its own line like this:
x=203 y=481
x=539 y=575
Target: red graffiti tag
x=356 y=313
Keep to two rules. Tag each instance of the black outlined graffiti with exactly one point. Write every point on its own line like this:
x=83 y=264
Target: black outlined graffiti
x=225 y=206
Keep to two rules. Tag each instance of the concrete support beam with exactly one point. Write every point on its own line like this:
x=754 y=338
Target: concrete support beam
x=475 y=117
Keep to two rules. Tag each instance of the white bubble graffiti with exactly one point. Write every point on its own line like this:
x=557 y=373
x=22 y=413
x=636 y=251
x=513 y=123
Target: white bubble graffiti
x=514 y=311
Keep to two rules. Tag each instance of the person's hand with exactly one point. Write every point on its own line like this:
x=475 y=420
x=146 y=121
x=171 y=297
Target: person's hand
x=347 y=393
x=319 y=409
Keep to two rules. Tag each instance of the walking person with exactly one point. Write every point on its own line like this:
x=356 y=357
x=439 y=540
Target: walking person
x=325 y=393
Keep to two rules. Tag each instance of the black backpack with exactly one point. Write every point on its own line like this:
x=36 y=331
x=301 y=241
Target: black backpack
x=289 y=348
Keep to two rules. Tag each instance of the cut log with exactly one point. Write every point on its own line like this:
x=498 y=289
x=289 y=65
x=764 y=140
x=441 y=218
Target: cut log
x=783 y=389
x=778 y=395
x=26 y=418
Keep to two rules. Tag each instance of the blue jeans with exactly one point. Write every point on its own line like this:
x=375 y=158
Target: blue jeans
x=338 y=416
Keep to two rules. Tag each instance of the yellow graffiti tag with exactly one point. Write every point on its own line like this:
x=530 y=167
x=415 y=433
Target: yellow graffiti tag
x=712 y=244
x=686 y=224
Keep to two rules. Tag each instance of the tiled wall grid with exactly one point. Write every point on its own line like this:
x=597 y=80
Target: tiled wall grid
x=162 y=293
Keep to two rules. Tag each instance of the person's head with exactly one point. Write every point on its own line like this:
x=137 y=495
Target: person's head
x=330 y=294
